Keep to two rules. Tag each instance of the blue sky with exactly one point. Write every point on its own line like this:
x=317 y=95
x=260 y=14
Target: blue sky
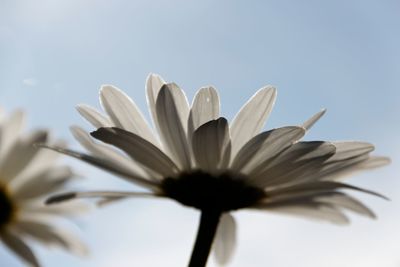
x=342 y=55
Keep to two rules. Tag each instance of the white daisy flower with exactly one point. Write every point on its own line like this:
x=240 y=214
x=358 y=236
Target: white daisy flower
x=201 y=161
x=27 y=176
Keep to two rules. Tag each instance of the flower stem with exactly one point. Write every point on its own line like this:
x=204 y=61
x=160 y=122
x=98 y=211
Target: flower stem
x=205 y=235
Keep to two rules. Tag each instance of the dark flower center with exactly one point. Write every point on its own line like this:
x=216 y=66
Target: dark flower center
x=207 y=192
x=6 y=208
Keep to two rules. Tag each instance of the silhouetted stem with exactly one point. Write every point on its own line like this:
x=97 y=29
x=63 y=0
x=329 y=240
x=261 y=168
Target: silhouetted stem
x=205 y=235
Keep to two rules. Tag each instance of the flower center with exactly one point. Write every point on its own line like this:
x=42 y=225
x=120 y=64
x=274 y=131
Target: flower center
x=6 y=207
x=207 y=192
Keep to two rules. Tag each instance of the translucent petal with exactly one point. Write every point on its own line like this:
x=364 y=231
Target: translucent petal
x=172 y=113
x=225 y=239
x=94 y=117
x=252 y=116
x=124 y=112
x=311 y=121
x=205 y=108
x=51 y=236
x=209 y=144
x=9 y=132
x=21 y=155
x=109 y=166
x=154 y=83
x=138 y=149
x=19 y=247
x=254 y=156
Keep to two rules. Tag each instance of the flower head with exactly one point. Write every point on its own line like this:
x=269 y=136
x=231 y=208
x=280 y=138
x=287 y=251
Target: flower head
x=200 y=160
x=27 y=176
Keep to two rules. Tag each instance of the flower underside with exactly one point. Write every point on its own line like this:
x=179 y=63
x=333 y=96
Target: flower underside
x=207 y=192
x=6 y=208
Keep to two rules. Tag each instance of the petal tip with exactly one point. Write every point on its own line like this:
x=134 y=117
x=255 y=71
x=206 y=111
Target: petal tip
x=60 y=198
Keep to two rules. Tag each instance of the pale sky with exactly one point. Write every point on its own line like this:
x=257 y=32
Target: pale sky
x=341 y=55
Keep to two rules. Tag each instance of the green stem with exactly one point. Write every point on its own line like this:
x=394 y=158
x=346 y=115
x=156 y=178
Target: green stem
x=205 y=236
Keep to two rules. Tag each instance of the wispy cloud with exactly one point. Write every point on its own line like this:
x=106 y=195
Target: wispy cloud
x=31 y=82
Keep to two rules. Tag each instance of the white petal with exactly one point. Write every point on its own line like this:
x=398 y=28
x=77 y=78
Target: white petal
x=43 y=183
x=106 y=152
x=94 y=117
x=18 y=246
x=9 y=132
x=316 y=211
x=332 y=170
x=350 y=149
x=300 y=160
x=316 y=187
x=154 y=83
x=338 y=171
x=172 y=113
x=205 y=108
x=109 y=166
x=96 y=194
x=209 y=144
x=36 y=209
x=253 y=157
x=138 y=149
x=21 y=155
x=1 y=114
x=124 y=112
x=311 y=121
x=226 y=157
x=348 y=202
x=50 y=235
x=251 y=118
x=44 y=160
x=225 y=239
x=374 y=162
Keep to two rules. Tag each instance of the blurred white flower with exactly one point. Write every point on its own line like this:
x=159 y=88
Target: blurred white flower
x=201 y=161
x=27 y=176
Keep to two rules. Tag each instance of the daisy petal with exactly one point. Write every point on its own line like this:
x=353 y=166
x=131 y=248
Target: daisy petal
x=172 y=115
x=52 y=236
x=106 y=152
x=124 y=112
x=374 y=162
x=96 y=194
x=348 y=202
x=39 y=209
x=298 y=161
x=154 y=83
x=93 y=116
x=311 y=121
x=254 y=155
x=338 y=171
x=226 y=157
x=209 y=144
x=312 y=210
x=251 y=118
x=44 y=160
x=334 y=170
x=320 y=186
x=43 y=183
x=205 y=108
x=350 y=149
x=9 y=132
x=225 y=239
x=108 y=166
x=21 y=155
x=19 y=247
x=138 y=149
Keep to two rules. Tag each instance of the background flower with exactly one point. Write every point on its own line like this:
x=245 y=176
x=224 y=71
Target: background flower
x=339 y=55
x=27 y=176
